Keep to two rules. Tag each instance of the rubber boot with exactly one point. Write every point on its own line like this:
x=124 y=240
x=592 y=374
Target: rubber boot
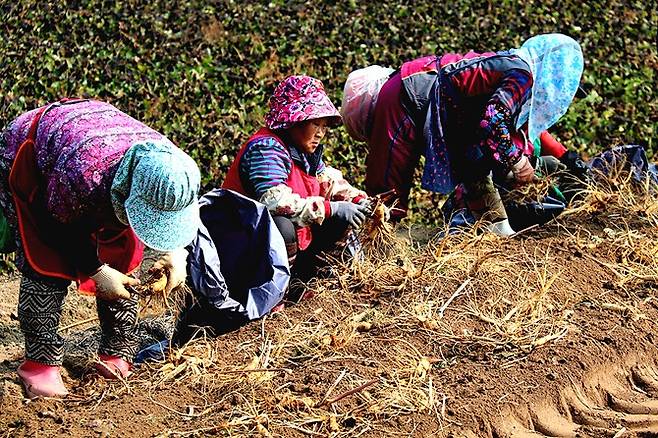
x=113 y=367
x=501 y=228
x=278 y=308
x=42 y=380
x=484 y=201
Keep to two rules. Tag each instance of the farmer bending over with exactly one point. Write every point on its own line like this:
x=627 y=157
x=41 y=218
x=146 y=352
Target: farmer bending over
x=281 y=166
x=84 y=187
x=462 y=112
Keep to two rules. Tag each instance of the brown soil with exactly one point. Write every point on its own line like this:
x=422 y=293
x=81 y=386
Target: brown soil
x=584 y=364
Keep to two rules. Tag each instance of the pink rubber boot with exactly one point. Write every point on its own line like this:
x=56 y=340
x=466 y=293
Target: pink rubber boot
x=42 y=380
x=113 y=367
x=278 y=308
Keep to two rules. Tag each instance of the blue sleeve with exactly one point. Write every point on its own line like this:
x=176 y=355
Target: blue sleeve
x=265 y=164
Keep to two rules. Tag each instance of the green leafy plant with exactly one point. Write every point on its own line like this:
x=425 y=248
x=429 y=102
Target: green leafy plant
x=201 y=71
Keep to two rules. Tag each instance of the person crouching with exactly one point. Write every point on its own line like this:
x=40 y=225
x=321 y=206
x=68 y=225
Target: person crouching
x=281 y=166
x=84 y=187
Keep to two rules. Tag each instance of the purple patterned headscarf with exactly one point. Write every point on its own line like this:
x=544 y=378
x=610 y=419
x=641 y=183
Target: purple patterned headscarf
x=299 y=98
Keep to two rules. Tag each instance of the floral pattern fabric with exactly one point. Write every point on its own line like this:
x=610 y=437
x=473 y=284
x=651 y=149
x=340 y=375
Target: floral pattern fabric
x=496 y=135
x=470 y=115
x=557 y=64
x=297 y=99
x=334 y=187
x=282 y=201
x=79 y=147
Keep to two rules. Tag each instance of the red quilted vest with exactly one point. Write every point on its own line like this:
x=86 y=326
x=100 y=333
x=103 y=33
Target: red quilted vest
x=300 y=182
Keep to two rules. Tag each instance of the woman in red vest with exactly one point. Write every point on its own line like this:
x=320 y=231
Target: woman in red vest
x=84 y=187
x=468 y=115
x=281 y=166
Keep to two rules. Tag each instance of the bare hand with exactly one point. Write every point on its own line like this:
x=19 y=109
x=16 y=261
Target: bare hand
x=523 y=171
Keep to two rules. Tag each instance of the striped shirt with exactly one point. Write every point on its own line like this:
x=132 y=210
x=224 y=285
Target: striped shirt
x=266 y=163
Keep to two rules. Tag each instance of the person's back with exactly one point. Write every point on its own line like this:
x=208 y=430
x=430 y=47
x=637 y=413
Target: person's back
x=78 y=147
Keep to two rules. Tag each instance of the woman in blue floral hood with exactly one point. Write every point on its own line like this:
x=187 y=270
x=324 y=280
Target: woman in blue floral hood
x=556 y=62
x=468 y=114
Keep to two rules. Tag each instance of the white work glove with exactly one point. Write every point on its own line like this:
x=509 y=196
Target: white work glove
x=111 y=284
x=523 y=171
x=175 y=265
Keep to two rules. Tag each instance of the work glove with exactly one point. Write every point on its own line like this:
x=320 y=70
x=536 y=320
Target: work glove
x=575 y=180
x=353 y=214
x=522 y=171
x=111 y=284
x=175 y=265
x=549 y=164
x=367 y=203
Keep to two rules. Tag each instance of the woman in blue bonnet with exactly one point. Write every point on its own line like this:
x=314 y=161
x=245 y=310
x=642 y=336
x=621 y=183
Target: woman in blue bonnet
x=84 y=187
x=467 y=114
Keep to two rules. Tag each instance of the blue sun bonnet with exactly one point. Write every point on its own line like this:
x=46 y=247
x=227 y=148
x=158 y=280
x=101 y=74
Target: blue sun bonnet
x=155 y=191
x=556 y=62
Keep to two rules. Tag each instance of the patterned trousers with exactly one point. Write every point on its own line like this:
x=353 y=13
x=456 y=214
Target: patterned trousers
x=41 y=299
x=40 y=305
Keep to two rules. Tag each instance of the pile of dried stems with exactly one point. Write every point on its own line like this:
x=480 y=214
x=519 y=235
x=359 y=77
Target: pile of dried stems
x=365 y=349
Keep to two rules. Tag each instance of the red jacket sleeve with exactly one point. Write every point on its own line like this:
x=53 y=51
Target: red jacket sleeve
x=505 y=78
x=550 y=146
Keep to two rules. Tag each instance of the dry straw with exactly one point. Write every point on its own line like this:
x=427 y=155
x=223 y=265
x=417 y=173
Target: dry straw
x=535 y=191
x=154 y=300
x=366 y=349
x=627 y=213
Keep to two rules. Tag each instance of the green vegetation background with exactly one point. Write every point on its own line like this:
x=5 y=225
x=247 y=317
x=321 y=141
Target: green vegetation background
x=201 y=72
